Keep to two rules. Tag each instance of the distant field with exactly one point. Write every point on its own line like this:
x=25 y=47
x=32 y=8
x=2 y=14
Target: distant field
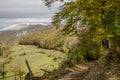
x=37 y=58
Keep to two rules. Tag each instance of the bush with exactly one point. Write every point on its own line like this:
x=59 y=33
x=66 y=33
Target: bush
x=1 y=51
x=88 y=49
x=79 y=54
x=65 y=49
x=93 y=52
x=75 y=55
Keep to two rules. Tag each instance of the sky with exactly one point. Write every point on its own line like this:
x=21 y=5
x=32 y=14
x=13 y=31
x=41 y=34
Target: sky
x=25 y=11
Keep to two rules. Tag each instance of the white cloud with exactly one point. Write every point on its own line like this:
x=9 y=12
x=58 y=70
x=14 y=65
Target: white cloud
x=25 y=11
x=25 y=8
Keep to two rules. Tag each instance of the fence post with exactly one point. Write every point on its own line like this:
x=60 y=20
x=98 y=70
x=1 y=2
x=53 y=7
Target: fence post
x=3 y=71
x=30 y=71
x=21 y=75
x=15 y=76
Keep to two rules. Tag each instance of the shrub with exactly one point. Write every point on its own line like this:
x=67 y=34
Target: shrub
x=88 y=49
x=1 y=51
x=5 y=51
x=93 y=53
x=75 y=55
x=65 y=49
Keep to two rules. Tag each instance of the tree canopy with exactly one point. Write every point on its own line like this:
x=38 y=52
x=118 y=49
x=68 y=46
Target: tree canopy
x=93 y=13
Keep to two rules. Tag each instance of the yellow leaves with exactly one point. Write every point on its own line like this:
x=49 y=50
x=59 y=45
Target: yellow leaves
x=49 y=38
x=91 y=1
x=19 y=71
x=100 y=30
x=65 y=49
x=96 y=39
x=109 y=35
x=98 y=35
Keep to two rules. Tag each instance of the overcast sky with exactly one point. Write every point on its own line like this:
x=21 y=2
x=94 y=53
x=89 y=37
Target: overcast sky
x=18 y=11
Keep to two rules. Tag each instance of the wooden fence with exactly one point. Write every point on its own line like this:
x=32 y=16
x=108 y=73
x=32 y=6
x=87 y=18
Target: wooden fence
x=21 y=76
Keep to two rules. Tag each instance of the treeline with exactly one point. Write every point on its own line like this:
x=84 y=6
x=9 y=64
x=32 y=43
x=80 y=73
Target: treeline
x=50 y=39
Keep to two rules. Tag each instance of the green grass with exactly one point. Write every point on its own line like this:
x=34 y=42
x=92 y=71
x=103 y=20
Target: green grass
x=37 y=58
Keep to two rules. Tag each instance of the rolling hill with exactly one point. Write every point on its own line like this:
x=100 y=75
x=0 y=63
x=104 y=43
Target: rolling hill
x=13 y=33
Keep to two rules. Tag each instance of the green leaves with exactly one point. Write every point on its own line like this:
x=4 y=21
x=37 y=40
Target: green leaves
x=1 y=51
x=101 y=17
x=93 y=13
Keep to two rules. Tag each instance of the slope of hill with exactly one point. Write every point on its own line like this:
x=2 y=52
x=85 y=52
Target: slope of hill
x=17 y=27
x=12 y=33
x=38 y=59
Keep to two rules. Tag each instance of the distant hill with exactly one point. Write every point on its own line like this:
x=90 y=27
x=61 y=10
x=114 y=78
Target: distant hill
x=14 y=32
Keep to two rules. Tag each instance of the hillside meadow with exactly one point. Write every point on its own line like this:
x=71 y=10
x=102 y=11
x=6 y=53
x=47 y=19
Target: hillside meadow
x=38 y=59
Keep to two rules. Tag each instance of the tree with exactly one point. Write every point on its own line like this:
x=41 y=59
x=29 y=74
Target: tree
x=94 y=14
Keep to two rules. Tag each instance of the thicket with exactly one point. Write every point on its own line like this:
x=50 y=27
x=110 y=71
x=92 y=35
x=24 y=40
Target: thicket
x=50 y=39
x=1 y=51
x=89 y=47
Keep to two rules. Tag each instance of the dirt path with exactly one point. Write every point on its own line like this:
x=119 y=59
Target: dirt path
x=78 y=71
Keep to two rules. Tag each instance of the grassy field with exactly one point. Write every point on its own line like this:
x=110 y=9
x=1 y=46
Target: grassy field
x=37 y=58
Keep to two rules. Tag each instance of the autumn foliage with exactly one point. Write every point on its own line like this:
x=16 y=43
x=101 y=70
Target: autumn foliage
x=50 y=39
